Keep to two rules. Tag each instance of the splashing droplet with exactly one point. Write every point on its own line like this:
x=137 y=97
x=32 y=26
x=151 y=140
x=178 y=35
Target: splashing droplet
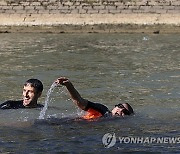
x=43 y=111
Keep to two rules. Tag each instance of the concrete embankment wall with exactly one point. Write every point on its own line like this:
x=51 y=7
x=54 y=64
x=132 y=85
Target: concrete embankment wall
x=157 y=16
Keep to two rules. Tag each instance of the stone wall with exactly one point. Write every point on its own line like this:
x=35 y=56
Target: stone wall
x=88 y=6
x=82 y=13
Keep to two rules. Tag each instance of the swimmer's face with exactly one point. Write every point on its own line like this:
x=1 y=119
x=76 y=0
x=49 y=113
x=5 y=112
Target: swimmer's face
x=120 y=110
x=30 y=95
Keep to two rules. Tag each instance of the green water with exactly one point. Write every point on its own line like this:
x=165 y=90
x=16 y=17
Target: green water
x=140 y=69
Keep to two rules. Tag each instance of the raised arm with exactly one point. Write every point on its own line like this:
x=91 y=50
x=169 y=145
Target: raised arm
x=75 y=96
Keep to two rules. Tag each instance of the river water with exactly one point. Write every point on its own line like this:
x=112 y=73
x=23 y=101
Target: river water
x=140 y=69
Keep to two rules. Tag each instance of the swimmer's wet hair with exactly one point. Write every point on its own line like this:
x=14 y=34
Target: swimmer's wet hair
x=129 y=109
x=37 y=84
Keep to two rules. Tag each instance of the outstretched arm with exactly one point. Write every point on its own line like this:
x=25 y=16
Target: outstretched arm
x=76 y=97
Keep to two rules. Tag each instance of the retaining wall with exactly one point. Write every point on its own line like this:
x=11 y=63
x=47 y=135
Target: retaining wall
x=90 y=16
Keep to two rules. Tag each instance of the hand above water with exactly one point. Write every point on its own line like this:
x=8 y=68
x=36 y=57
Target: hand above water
x=62 y=81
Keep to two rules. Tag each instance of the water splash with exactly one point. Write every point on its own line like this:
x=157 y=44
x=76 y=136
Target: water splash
x=43 y=111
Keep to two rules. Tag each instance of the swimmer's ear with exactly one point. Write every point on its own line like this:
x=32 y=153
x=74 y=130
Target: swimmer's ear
x=39 y=94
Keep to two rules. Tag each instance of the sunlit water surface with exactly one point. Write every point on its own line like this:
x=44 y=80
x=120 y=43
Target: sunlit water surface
x=140 y=69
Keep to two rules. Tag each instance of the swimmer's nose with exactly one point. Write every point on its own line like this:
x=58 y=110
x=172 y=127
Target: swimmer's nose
x=25 y=94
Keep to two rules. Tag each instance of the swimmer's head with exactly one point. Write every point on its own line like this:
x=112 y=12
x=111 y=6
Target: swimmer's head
x=122 y=110
x=32 y=90
x=37 y=84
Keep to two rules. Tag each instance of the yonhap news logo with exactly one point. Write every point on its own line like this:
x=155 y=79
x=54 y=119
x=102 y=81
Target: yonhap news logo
x=109 y=140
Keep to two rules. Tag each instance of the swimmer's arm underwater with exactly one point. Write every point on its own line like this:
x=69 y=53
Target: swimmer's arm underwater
x=76 y=97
